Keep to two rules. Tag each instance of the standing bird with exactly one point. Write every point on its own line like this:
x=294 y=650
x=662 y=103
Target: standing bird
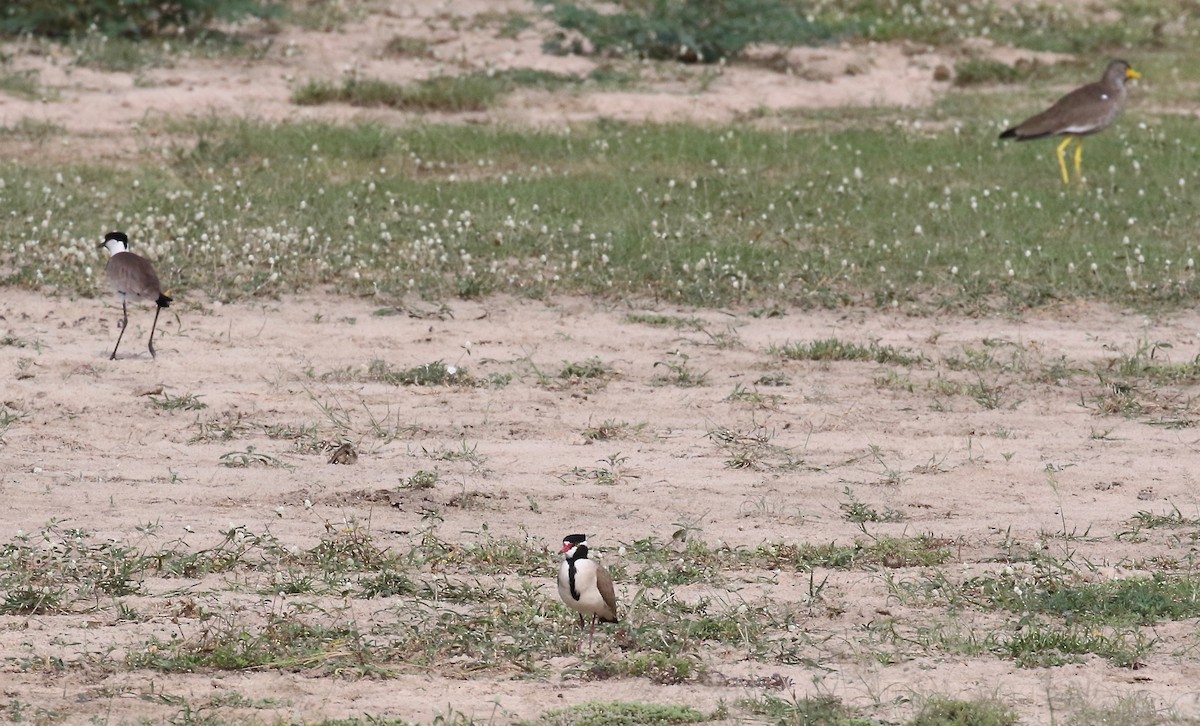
x=584 y=585
x=1084 y=111
x=133 y=278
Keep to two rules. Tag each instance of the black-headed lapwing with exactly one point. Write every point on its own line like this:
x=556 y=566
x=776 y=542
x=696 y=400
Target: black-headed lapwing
x=584 y=585
x=1082 y=112
x=133 y=278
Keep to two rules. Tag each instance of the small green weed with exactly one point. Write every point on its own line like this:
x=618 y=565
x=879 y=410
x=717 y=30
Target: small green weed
x=436 y=373
x=612 y=429
x=593 y=370
x=888 y=552
x=953 y=712
x=422 y=480
x=833 y=349
x=859 y=512
x=405 y=46
x=658 y=320
x=679 y=373
x=823 y=710
x=446 y=94
x=248 y=458
x=186 y=402
x=611 y=473
x=616 y=713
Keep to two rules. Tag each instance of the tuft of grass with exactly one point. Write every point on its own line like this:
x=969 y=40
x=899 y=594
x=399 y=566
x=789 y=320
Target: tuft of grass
x=8 y=417
x=979 y=71
x=1042 y=645
x=658 y=320
x=446 y=94
x=406 y=46
x=443 y=94
x=859 y=512
x=833 y=349
x=422 y=479
x=1126 y=601
x=612 y=429
x=888 y=552
x=436 y=373
x=823 y=710
x=1143 y=519
x=611 y=473
x=20 y=84
x=591 y=370
x=954 y=712
x=619 y=713
x=283 y=642
x=248 y=458
x=678 y=372
x=185 y=402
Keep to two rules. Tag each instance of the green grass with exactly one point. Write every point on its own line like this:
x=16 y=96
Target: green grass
x=1126 y=601
x=880 y=552
x=589 y=370
x=184 y=402
x=446 y=94
x=436 y=373
x=795 y=711
x=616 y=713
x=953 y=712
x=20 y=84
x=644 y=211
x=834 y=349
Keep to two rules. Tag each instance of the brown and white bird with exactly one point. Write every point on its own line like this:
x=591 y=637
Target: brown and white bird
x=584 y=585
x=133 y=278
x=1082 y=112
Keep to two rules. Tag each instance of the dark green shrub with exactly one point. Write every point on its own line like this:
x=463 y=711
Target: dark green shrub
x=691 y=31
x=124 y=18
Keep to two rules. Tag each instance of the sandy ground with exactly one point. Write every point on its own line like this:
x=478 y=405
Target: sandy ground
x=94 y=454
x=91 y=452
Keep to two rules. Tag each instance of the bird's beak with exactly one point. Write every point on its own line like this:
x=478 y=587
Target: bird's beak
x=566 y=548
x=101 y=245
x=1130 y=73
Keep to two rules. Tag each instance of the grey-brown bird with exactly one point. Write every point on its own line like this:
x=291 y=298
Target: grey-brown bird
x=584 y=585
x=133 y=278
x=1082 y=112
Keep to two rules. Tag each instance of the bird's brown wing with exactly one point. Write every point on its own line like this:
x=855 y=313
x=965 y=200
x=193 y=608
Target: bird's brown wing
x=604 y=584
x=1085 y=110
x=134 y=276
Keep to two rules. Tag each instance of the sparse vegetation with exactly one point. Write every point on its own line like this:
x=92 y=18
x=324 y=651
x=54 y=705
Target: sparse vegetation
x=862 y=342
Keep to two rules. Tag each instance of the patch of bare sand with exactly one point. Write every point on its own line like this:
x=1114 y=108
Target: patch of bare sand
x=94 y=454
x=110 y=115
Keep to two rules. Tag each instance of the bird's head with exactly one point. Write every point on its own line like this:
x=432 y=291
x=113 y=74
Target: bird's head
x=115 y=242
x=574 y=546
x=1120 y=70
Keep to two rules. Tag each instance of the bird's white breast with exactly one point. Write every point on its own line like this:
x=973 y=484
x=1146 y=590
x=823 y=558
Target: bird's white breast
x=590 y=600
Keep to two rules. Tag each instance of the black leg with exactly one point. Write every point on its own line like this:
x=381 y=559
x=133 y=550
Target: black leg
x=124 y=324
x=152 y=327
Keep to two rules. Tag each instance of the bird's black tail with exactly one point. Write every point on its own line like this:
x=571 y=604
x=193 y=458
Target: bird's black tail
x=163 y=301
x=1009 y=133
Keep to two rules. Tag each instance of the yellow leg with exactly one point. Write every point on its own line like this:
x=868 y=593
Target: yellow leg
x=1079 y=160
x=1062 y=160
